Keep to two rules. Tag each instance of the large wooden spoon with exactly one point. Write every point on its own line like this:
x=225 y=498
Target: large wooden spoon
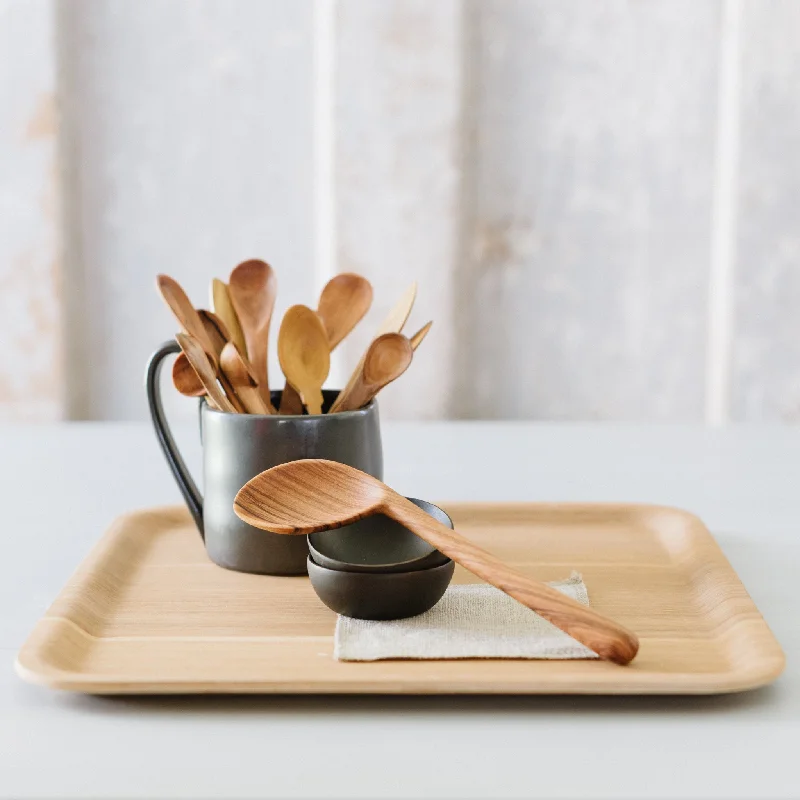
x=197 y=357
x=314 y=495
x=238 y=372
x=342 y=304
x=393 y=323
x=222 y=306
x=252 y=288
x=387 y=358
x=304 y=354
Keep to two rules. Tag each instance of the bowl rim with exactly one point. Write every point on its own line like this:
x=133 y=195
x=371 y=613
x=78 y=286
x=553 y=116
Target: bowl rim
x=387 y=567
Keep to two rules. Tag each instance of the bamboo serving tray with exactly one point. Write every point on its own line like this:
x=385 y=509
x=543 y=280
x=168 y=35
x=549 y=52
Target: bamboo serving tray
x=147 y=612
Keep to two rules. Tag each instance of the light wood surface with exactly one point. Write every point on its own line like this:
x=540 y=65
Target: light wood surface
x=239 y=374
x=147 y=612
x=343 y=302
x=222 y=306
x=304 y=355
x=252 y=288
x=198 y=358
x=312 y=495
x=387 y=358
x=392 y=323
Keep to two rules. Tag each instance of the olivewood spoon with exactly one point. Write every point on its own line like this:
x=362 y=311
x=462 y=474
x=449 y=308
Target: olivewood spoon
x=185 y=378
x=222 y=306
x=387 y=358
x=205 y=371
x=393 y=323
x=218 y=336
x=312 y=495
x=184 y=311
x=241 y=377
x=304 y=354
x=342 y=304
x=252 y=288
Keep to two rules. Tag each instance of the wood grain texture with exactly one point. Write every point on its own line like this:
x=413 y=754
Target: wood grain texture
x=148 y=612
x=765 y=379
x=588 y=236
x=387 y=358
x=312 y=495
x=253 y=288
x=221 y=305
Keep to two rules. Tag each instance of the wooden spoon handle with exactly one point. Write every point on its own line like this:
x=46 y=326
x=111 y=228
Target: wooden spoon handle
x=291 y=402
x=605 y=637
x=354 y=396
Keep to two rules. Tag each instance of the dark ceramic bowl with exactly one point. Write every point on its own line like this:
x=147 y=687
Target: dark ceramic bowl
x=378 y=544
x=380 y=595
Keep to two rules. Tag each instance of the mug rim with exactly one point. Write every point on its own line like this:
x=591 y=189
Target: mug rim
x=356 y=412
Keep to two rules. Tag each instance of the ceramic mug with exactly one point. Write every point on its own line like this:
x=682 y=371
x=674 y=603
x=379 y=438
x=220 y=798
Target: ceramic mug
x=237 y=447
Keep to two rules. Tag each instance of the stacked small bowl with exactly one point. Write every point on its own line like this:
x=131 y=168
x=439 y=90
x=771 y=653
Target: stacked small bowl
x=378 y=569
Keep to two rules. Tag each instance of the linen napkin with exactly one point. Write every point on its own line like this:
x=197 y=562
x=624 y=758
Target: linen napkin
x=470 y=621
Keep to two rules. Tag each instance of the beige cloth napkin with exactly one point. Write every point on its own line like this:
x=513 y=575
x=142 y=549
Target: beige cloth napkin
x=472 y=621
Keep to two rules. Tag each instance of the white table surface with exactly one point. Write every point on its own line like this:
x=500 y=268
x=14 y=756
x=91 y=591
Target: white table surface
x=62 y=486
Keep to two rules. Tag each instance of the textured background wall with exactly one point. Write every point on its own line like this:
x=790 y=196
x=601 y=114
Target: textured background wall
x=597 y=197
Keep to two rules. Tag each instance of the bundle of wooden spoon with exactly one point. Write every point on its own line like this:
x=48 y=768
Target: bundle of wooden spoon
x=224 y=351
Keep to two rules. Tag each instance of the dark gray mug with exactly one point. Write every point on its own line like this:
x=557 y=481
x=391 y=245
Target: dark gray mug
x=236 y=447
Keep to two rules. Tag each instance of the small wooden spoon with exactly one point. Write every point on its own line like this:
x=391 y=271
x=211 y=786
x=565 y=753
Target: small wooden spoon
x=252 y=288
x=304 y=354
x=388 y=358
x=185 y=378
x=184 y=311
x=342 y=304
x=393 y=323
x=205 y=371
x=222 y=306
x=416 y=339
x=217 y=333
x=312 y=495
x=241 y=377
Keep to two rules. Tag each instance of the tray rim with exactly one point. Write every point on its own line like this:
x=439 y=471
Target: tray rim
x=31 y=665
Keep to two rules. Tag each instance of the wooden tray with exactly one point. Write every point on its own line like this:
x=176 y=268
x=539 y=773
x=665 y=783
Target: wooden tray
x=147 y=612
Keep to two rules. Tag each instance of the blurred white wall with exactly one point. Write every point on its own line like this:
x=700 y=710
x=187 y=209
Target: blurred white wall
x=597 y=197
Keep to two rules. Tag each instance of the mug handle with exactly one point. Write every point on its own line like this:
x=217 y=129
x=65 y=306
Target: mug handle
x=193 y=498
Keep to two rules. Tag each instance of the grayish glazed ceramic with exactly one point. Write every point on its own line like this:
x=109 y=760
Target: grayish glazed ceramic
x=380 y=595
x=236 y=447
x=377 y=544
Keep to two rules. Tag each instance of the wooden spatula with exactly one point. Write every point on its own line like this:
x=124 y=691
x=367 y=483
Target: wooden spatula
x=314 y=495
x=221 y=305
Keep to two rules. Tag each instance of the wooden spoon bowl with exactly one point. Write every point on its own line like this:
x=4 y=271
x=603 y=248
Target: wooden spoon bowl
x=304 y=354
